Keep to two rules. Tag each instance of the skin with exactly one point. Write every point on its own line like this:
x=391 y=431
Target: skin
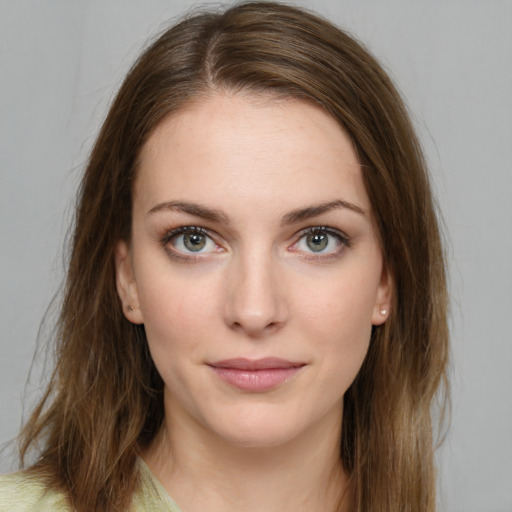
x=258 y=288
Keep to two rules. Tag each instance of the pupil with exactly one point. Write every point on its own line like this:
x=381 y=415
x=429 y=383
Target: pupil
x=317 y=242
x=194 y=242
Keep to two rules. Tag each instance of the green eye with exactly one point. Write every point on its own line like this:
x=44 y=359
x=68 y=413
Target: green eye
x=317 y=242
x=194 y=242
x=321 y=241
x=190 y=239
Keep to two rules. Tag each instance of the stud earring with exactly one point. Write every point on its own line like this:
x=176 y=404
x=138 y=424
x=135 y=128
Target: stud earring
x=130 y=307
x=383 y=311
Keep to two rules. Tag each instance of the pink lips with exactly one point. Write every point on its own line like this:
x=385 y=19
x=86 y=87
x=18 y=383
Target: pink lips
x=255 y=375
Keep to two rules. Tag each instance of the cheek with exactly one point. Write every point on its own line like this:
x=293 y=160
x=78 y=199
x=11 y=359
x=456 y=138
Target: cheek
x=177 y=313
x=339 y=304
x=176 y=329
x=338 y=318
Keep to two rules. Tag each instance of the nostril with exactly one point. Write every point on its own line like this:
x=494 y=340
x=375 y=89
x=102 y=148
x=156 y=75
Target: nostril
x=255 y=329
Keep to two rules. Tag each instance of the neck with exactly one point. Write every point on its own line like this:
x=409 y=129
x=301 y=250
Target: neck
x=202 y=472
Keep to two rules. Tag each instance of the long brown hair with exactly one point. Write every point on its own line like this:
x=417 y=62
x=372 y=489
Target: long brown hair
x=104 y=401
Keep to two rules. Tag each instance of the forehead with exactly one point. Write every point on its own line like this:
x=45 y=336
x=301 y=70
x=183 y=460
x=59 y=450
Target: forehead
x=254 y=148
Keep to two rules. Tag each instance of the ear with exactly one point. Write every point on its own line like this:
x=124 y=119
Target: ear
x=126 y=283
x=384 y=297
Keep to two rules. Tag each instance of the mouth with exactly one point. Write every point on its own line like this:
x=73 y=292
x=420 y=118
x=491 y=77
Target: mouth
x=256 y=375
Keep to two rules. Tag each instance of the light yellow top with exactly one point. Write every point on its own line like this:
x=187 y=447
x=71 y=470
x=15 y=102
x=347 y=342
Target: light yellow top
x=22 y=493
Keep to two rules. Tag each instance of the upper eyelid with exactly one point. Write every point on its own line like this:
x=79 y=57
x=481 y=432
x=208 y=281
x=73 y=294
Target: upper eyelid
x=209 y=232
x=180 y=230
x=319 y=227
x=323 y=229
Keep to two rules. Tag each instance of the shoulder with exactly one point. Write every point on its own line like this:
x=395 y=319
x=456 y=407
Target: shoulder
x=151 y=496
x=20 y=492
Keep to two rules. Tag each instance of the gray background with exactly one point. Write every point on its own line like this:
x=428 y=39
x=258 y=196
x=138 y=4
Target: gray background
x=60 y=63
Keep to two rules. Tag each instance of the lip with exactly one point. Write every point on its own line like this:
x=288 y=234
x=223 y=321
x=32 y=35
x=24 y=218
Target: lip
x=256 y=375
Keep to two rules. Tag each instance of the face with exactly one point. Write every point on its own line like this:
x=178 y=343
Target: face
x=254 y=266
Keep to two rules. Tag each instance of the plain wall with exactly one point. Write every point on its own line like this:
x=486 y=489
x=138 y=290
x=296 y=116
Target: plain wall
x=60 y=63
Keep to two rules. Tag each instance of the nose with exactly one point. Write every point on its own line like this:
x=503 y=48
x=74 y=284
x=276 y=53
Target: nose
x=255 y=304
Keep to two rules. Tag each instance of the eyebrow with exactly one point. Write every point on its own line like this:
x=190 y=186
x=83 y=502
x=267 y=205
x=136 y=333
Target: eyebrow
x=192 y=209
x=215 y=215
x=318 y=209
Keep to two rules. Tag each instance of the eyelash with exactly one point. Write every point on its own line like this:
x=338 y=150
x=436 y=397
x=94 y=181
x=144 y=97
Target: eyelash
x=171 y=234
x=184 y=230
x=340 y=236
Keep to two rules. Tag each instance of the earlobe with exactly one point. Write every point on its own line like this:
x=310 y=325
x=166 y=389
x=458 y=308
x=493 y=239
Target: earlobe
x=384 y=294
x=126 y=283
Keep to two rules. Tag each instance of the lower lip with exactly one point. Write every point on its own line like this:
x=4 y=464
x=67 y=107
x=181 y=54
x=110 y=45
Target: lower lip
x=256 y=380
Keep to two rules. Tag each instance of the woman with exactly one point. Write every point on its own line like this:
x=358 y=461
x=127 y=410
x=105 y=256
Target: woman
x=255 y=309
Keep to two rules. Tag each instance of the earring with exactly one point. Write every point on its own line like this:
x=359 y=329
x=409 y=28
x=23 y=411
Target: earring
x=383 y=311
x=130 y=308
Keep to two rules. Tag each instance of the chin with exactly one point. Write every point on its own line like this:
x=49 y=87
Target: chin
x=258 y=438
x=259 y=429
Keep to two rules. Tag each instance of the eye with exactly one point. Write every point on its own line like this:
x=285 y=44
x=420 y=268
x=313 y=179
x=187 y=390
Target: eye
x=190 y=240
x=321 y=241
x=317 y=242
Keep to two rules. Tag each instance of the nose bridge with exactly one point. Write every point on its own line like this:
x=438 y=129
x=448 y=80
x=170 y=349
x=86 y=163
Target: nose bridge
x=254 y=303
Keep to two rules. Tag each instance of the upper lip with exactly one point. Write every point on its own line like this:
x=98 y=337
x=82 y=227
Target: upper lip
x=266 y=363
